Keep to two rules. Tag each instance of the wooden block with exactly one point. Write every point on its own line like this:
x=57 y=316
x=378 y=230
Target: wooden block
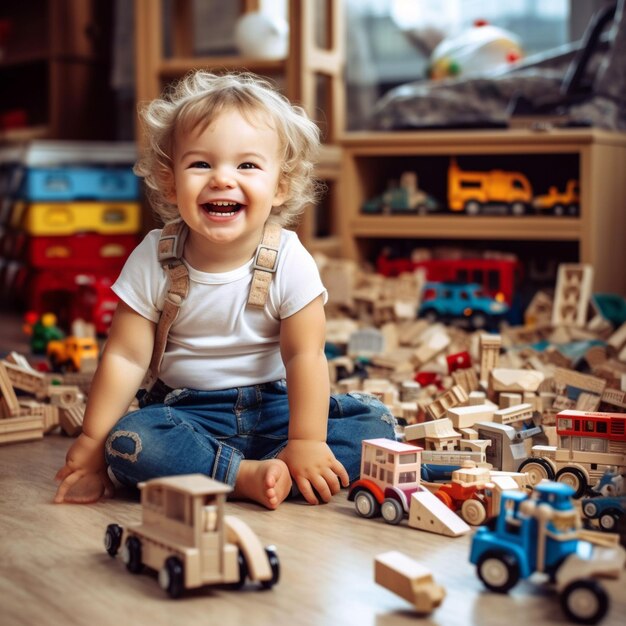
x=7 y=393
x=427 y=512
x=467 y=416
x=15 y=429
x=409 y=579
x=574 y=282
x=516 y=380
x=71 y=419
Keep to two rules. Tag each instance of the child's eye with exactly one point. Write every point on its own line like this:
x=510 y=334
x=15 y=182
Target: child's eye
x=200 y=165
x=248 y=166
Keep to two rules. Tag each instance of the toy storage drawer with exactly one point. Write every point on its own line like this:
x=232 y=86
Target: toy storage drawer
x=90 y=251
x=69 y=218
x=78 y=184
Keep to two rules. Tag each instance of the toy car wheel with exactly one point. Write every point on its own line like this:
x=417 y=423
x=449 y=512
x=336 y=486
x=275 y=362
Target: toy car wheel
x=113 y=539
x=537 y=470
x=445 y=498
x=472 y=207
x=558 y=209
x=430 y=315
x=473 y=512
x=392 y=511
x=131 y=555
x=366 y=505
x=584 y=601
x=499 y=571
x=479 y=320
x=272 y=558
x=573 y=477
x=518 y=208
x=172 y=577
x=590 y=509
x=608 y=521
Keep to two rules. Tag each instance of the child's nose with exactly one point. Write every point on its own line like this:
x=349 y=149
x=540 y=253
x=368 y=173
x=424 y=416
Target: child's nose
x=221 y=179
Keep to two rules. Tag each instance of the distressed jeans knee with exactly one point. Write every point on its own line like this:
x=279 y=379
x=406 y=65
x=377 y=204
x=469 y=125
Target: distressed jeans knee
x=124 y=444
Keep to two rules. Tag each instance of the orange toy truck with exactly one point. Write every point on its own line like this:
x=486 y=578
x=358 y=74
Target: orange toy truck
x=474 y=191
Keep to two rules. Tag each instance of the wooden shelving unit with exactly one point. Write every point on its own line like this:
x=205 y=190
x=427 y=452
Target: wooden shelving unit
x=599 y=157
x=309 y=63
x=54 y=68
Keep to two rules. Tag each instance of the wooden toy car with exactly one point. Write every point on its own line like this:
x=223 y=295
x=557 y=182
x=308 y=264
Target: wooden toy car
x=185 y=536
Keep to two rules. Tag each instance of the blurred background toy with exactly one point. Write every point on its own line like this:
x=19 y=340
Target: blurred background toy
x=478 y=50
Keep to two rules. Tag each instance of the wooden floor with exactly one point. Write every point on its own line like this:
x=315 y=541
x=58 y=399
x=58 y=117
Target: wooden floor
x=54 y=569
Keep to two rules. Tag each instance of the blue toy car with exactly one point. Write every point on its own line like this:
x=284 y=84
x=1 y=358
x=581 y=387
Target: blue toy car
x=461 y=302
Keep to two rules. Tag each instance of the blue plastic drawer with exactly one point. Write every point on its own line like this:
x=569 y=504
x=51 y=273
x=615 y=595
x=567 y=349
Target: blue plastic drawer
x=78 y=183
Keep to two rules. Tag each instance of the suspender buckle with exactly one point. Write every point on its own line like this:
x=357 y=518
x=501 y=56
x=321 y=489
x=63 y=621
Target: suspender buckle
x=266 y=258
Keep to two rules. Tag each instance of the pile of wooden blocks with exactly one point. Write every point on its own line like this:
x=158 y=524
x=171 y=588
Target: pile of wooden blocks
x=34 y=403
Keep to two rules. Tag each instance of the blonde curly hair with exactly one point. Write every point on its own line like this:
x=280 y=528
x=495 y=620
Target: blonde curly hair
x=194 y=102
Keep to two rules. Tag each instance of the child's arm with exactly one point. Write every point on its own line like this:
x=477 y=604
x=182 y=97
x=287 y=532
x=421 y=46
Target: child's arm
x=123 y=364
x=311 y=462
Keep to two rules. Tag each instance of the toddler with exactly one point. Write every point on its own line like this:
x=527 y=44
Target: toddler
x=228 y=308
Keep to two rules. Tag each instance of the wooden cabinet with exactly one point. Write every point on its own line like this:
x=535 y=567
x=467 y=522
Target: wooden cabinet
x=597 y=235
x=311 y=76
x=54 y=70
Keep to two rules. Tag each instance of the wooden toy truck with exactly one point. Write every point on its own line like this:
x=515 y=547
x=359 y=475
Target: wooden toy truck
x=185 y=536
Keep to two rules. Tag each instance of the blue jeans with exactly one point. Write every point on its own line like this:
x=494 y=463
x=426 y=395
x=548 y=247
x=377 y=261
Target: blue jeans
x=187 y=431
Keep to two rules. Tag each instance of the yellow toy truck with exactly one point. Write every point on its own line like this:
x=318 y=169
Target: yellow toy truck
x=557 y=202
x=73 y=354
x=475 y=192
x=185 y=536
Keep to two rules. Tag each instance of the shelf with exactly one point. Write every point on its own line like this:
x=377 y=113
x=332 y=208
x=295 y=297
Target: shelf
x=176 y=67
x=596 y=158
x=468 y=227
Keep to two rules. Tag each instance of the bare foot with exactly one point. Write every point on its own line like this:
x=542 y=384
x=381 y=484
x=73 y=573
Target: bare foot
x=266 y=482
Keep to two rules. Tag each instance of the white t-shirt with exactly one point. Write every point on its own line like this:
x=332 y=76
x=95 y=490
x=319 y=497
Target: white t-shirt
x=218 y=342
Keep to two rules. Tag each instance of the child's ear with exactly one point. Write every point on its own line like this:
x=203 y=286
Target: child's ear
x=282 y=193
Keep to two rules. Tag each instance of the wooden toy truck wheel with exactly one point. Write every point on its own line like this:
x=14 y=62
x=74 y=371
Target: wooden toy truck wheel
x=573 y=477
x=113 y=539
x=172 y=577
x=366 y=505
x=537 y=469
x=131 y=555
x=499 y=571
x=392 y=511
x=473 y=512
x=584 y=601
x=272 y=557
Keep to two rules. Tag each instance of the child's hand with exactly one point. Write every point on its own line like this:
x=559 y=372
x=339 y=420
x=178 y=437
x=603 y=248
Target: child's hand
x=83 y=477
x=314 y=467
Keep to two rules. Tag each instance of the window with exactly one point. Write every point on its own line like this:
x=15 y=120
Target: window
x=407 y=477
x=408 y=458
x=367 y=468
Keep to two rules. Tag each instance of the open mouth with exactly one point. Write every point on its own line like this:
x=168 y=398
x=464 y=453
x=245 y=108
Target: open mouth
x=222 y=209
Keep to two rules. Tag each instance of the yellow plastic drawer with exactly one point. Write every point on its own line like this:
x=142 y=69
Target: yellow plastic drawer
x=68 y=218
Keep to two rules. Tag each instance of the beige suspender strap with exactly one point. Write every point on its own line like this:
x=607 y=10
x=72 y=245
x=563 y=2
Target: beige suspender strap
x=265 y=264
x=170 y=251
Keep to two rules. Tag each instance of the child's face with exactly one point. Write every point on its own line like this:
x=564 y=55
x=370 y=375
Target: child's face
x=227 y=177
